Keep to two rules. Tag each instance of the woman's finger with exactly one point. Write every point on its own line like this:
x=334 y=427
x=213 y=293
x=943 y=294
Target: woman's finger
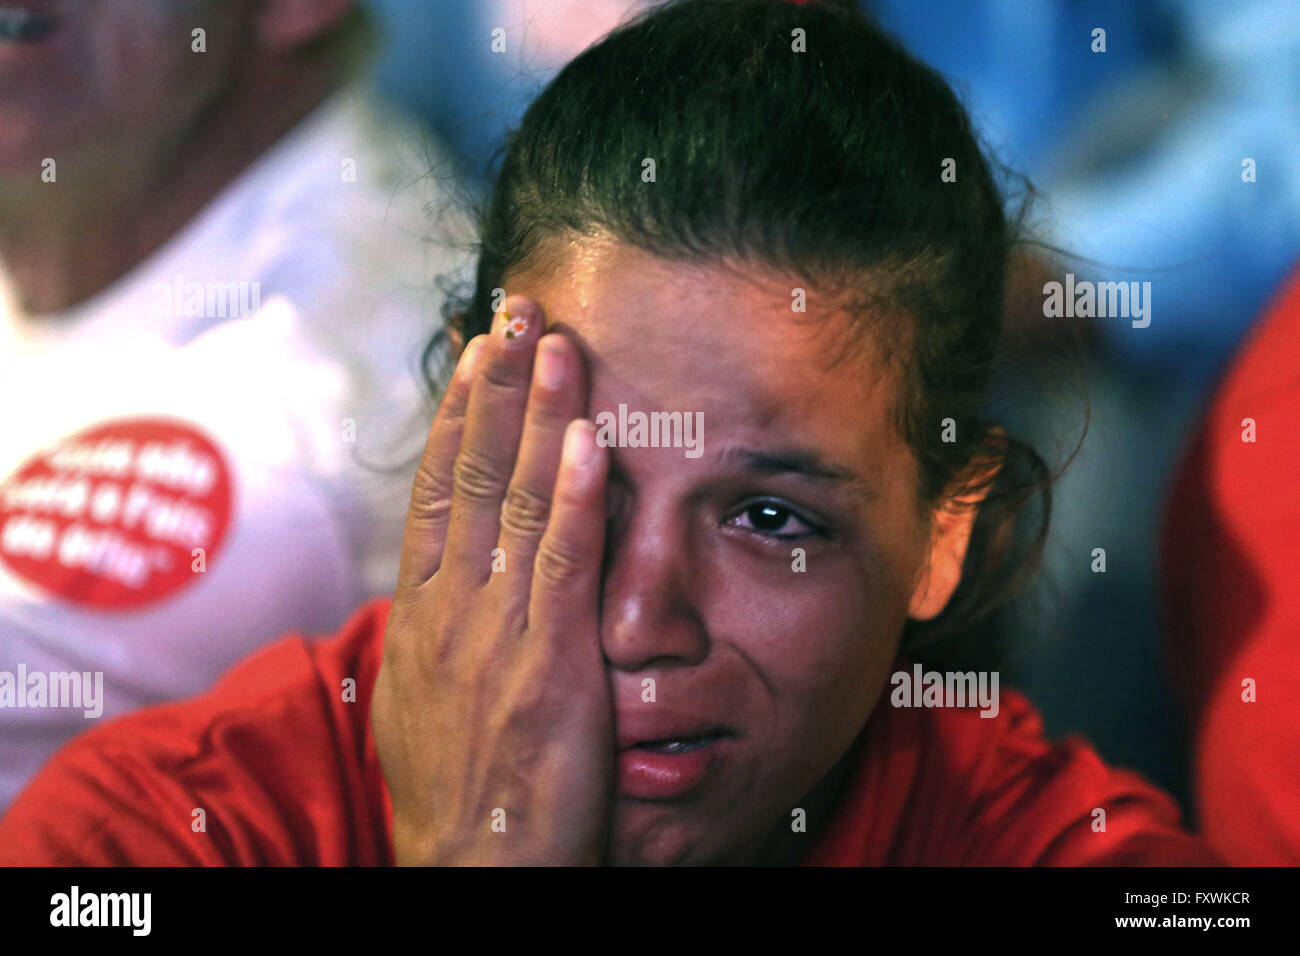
x=565 y=591
x=490 y=443
x=558 y=396
x=430 y=506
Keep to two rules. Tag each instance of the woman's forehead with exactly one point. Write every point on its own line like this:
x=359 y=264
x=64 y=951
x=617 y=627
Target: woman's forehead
x=741 y=336
x=722 y=341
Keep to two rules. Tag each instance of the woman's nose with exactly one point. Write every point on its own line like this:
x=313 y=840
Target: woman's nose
x=648 y=613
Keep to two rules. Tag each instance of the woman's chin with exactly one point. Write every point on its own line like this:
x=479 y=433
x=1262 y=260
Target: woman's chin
x=644 y=834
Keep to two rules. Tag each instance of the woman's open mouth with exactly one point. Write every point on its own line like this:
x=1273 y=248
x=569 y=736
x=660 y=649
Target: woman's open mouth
x=679 y=746
x=667 y=768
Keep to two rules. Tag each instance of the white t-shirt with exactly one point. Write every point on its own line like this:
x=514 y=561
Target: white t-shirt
x=218 y=448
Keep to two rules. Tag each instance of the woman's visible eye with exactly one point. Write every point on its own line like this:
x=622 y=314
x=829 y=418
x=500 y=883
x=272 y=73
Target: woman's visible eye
x=771 y=519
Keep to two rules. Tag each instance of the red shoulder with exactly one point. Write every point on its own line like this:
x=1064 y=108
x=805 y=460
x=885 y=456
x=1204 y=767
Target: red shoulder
x=946 y=786
x=273 y=765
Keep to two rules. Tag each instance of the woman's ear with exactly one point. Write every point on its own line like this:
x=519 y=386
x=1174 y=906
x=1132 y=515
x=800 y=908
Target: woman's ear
x=950 y=531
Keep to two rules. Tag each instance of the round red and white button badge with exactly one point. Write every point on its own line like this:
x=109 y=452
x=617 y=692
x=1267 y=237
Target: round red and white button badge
x=117 y=516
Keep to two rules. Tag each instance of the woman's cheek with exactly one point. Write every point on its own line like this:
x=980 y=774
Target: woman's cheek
x=812 y=621
x=821 y=624
x=834 y=644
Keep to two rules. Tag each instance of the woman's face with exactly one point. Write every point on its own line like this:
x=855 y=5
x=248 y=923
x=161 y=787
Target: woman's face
x=705 y=593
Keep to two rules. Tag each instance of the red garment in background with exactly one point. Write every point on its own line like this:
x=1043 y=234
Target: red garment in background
x=286 y=773
x=1232 y=597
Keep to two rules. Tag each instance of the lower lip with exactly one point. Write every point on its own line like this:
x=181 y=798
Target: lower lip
x=647 y=775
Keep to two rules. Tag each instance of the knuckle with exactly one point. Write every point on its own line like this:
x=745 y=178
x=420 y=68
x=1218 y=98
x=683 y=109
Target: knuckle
x=503 y=375
x=524 y=511
x=558 y=565
x=477 y=476
x=430 y=496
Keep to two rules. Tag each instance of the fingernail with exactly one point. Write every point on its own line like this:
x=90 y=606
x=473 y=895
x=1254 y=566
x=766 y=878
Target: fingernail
x=580 y=443
x=515 y=322
x=550 y=366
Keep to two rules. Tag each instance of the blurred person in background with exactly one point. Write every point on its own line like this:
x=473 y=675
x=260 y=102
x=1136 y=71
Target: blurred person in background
x=1232 y=597
x=213 y=297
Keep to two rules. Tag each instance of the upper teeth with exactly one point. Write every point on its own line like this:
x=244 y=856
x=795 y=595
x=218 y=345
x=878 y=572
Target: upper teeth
x=680 y=744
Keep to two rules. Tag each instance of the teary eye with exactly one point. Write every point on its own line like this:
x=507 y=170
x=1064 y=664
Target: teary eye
x=772 y=519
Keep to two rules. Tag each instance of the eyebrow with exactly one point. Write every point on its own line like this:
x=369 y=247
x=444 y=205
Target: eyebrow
x=799 y=461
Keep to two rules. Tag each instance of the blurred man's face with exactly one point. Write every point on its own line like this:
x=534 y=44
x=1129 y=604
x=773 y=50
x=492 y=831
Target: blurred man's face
x=81 y=78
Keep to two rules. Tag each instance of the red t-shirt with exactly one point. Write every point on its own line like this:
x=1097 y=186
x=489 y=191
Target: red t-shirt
x=1232 y=597
x=286 y=773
